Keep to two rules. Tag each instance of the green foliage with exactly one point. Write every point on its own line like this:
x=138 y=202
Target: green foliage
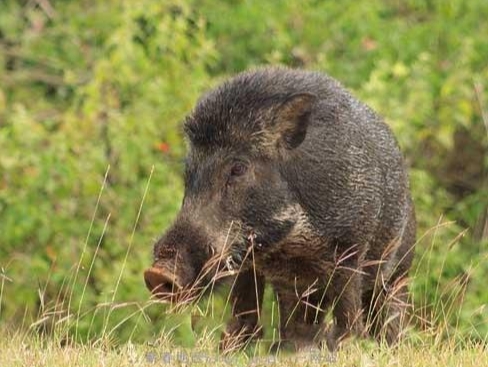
x=114 y=107
x=92 y=94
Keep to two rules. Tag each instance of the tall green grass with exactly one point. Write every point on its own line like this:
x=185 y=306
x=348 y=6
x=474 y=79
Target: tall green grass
x=198 y=323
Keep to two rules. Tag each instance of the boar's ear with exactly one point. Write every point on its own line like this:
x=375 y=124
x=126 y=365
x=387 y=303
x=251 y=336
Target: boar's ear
x=291 y=118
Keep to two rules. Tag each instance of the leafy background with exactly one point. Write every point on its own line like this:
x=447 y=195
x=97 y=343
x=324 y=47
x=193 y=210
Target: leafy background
x=92 y=93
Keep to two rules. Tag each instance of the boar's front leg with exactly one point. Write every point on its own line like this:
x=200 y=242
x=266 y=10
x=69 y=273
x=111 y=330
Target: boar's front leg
x=301 y=319
x=247 y=298
x=345 y=291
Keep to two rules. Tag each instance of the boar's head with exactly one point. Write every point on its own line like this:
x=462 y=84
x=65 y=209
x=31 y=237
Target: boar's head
x=242 y=138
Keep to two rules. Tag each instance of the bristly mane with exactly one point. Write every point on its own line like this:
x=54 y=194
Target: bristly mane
x=234 y=112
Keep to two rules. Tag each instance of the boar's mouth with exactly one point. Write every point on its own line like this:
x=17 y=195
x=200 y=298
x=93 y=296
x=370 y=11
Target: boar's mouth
x=162 y=284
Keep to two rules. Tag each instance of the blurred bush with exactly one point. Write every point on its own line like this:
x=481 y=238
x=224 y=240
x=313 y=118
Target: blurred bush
x=97 y=88
x=87 y=90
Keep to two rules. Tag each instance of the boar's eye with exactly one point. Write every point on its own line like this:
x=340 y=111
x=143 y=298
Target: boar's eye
x=238 y=169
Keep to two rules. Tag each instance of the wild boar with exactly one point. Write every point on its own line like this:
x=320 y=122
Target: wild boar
x=291 y=180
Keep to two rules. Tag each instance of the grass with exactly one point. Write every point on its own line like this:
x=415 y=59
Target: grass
x=436 y=344
x=432 y=342
x=21 y=349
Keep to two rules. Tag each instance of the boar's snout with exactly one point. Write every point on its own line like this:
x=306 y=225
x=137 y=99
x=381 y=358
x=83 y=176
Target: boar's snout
x=179 y=257
x=161 y=283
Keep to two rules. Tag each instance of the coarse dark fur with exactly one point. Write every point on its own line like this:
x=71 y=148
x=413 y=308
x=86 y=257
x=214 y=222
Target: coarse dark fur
x=294 y=182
